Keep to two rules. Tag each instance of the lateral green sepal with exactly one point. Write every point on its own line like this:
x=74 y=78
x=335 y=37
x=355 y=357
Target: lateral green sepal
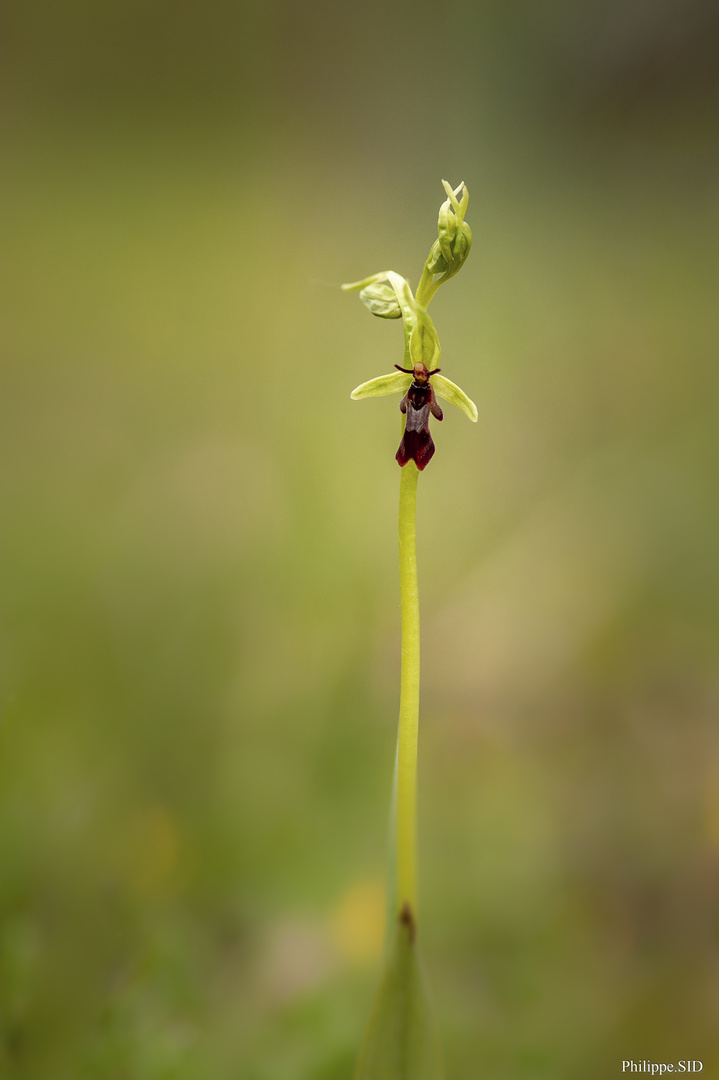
x=382 y=385
x=455 y=395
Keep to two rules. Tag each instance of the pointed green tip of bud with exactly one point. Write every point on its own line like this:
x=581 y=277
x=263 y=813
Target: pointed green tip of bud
x=459 y=206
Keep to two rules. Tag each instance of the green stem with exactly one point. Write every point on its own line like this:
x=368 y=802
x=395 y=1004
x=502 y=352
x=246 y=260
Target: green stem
x=429 y=284
x=425 y=292
x=406 y=775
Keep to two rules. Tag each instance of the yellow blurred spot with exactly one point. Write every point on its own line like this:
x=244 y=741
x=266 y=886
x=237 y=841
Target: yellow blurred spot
x=357 y=922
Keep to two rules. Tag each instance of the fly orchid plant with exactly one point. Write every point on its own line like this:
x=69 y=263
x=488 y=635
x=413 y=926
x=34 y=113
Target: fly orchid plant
x=401 y=1043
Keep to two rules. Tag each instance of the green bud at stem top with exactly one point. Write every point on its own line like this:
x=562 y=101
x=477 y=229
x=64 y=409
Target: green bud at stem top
x=449 y=252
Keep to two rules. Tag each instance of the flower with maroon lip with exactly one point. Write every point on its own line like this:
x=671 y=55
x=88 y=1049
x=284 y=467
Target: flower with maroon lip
x=389 y=296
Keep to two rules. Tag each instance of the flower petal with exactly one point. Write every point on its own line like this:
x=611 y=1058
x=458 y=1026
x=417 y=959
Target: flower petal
x=383 y=384
x=456 y=396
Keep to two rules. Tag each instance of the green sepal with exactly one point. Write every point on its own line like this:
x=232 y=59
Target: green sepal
x=382 y=385
x=405 y=297
x=355 y=286
x=399 y=285
x=446 y=230
x=455 y=395
x=460 y=208
x=401 y=1041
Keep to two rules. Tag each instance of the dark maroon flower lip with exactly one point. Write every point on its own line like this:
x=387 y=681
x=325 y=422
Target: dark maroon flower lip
x=418 y=404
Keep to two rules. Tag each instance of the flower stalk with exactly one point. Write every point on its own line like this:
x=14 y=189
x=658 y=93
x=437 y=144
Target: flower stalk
x=408 y=731
x=400 y=1043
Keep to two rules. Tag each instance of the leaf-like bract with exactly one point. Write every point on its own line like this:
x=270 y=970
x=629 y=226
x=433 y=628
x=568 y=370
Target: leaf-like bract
x=401 y=1042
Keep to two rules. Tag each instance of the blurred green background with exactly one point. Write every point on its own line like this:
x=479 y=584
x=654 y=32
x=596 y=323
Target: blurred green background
x=199 y=612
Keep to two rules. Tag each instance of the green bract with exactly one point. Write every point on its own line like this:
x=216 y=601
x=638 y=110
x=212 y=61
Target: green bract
x=401 y=1040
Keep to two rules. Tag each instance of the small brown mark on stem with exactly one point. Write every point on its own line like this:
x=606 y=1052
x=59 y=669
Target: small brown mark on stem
x=406 y=918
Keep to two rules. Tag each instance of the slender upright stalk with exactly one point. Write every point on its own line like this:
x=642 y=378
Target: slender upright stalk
x=401 y=1042
x=406 y=780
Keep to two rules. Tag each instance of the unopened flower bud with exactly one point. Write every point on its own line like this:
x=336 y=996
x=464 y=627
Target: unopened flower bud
x=381 y=300
x=449 y=252
x=436 y=262
x=455 y=235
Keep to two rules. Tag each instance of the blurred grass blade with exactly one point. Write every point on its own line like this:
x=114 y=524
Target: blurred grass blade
x=401 y=1043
